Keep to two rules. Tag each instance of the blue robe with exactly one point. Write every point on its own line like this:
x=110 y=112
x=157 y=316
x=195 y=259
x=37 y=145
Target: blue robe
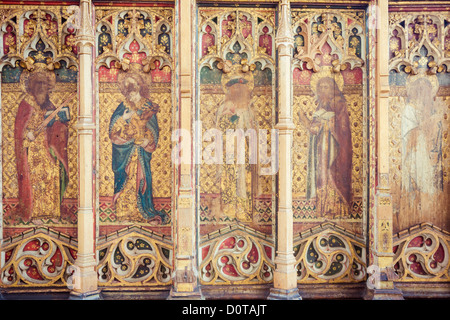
x=121 y=155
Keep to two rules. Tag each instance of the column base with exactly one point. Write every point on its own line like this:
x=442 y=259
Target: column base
x=185 y=295
x=281 y=294
x=384 y=294
x=95 y=295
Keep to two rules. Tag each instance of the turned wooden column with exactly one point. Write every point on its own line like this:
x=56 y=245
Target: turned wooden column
x=185 y=222
x=85 y=277
x=383 y=269
x=285 y=275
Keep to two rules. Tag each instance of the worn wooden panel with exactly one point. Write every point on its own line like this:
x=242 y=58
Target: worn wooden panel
x=236 y=66
x=419 y=122
x=419 y=146
x=236 y=77
x=330 y=153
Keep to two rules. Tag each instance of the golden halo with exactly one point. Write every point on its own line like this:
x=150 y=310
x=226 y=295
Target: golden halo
x=431 y=78
x=237 y=73
x=327 y=72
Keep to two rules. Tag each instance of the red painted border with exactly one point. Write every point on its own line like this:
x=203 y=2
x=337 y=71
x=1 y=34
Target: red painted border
x=129 y=3
x=39 y=3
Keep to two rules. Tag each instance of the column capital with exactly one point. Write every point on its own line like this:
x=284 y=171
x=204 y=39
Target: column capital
x=85 y=41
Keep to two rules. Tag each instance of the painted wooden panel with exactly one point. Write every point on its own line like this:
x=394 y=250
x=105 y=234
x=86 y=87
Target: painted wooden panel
x=135 y=79
x=330 y=157
x=135 y=88
x=236 y=66
x=39 y=142
x=236 y=77
x=419 y=122
x=419 y=146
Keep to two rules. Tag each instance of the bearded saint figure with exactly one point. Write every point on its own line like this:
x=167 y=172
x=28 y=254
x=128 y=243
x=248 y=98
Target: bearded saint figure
x=329 y=174
x=41 y=135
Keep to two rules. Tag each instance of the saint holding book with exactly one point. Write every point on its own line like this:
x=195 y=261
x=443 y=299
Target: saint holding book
x=41 y=135
x=329 y=176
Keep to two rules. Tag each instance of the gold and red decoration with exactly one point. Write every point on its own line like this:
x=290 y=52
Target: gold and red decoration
x=413 y=34
x=421 y=254
x=236 y=257
x=38 y=258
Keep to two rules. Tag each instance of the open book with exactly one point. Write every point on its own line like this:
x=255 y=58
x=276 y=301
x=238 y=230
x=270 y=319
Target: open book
x=323 y=114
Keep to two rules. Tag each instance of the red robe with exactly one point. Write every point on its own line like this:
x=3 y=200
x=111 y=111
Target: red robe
x=341 y=169
x=56 y=137
x=338 y=163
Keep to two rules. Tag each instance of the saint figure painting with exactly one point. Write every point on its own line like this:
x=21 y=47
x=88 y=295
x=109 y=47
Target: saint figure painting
x=134 y=134
x=41 y=135
x=421 y=140
x=329 y=173
x=235 y=114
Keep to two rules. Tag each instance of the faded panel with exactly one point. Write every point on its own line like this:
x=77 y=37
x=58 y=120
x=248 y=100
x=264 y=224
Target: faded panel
x=236 y=75
x=236 y=70
x=419 y=107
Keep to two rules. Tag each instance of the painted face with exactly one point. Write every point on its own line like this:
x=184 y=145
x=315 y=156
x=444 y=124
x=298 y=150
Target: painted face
x=239 y=92
x=132 y=88
x=325 y=89
x=39 y=89
x=421 y=91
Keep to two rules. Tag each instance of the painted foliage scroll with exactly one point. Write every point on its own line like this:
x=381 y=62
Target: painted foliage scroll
x=39 y=146
x=236 y=60
x=419 y=65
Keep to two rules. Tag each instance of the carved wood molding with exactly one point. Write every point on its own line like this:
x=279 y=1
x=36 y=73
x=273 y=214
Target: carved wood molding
x=421 y=254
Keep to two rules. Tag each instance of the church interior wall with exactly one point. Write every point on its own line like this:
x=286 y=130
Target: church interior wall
x=191 y=131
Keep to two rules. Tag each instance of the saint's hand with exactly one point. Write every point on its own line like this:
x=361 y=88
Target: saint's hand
x=144 y=142
x=148 y=145
x=127 y=114
x=411 y=140
x=30 y=136
x=315 y=127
